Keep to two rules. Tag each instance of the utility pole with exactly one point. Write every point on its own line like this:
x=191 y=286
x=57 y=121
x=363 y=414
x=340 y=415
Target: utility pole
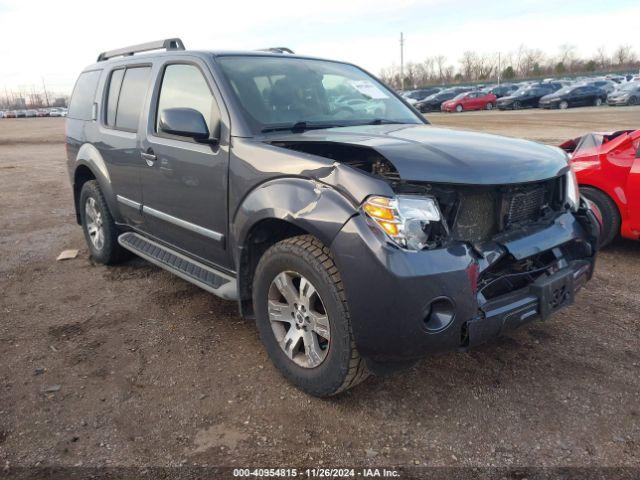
x=499 y=68
x=46 y=96
x=401 y=61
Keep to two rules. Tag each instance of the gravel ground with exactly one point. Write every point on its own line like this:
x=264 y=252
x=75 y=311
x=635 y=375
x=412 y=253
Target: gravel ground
x=130 y=366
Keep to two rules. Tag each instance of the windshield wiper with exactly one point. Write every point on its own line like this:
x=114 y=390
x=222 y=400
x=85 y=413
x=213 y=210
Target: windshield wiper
x=385 y=121
x=299 y=127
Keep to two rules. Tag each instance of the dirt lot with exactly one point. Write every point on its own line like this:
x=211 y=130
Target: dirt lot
x=153 y=371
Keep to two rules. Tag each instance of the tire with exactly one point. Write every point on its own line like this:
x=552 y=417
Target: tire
x=459 y=108
x=632 y=101
x=516 y=105
x=563 y=105
x=109 y=251
x=609 y=212
x=341 y=367
x=489 y=106
x=597 y=102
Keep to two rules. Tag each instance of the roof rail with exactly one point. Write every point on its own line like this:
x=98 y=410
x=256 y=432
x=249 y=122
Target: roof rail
x=168 y=44
x=277 y=50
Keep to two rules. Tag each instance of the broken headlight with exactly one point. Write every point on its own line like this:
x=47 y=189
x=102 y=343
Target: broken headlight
x=404 y=218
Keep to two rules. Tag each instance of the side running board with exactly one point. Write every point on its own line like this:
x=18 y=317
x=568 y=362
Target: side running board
x=205 y=277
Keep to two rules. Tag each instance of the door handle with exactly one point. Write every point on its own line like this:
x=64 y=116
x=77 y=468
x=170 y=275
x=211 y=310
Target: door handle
x=150 y=158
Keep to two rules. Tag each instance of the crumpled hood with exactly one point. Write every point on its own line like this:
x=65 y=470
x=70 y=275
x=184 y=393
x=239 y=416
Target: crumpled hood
x=431 y=154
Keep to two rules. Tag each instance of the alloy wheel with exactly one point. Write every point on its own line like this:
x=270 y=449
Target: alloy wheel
x=564 y=105
x=299 y=320
x=93 y=221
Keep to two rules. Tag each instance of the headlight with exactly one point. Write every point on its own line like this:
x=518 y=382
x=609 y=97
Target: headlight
x=573 y=190
x=404 y=218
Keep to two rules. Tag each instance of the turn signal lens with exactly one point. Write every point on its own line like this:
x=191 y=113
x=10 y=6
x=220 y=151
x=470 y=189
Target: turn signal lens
x=377 y=210
x=390 y=228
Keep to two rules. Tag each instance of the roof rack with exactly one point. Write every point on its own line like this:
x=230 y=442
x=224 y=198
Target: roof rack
x=167 y=44
x=277 y=50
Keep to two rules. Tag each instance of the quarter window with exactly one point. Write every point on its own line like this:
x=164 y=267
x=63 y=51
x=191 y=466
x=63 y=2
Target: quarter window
x=81 y=105
x=184 y=86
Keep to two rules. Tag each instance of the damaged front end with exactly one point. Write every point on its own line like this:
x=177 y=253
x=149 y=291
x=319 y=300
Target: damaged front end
x=452 y=265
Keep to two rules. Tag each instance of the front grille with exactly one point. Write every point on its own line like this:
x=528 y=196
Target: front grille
x=482 y=212
x=524 y=204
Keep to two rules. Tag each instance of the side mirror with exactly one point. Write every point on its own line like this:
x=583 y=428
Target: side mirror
x=185 y=122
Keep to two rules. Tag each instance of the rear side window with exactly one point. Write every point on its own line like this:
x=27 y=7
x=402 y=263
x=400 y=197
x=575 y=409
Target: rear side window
x=112 y=98
x=81 y=105
x=132 y=95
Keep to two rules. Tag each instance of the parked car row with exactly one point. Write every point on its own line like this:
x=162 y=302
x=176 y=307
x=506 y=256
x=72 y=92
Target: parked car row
x=549 y=93
x=31 y=113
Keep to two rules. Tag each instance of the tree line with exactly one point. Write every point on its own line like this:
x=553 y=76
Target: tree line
x=524 y=62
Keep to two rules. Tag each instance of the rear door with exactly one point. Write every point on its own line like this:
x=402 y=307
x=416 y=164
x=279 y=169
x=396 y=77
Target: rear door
x=184 y=182
x=125 y=95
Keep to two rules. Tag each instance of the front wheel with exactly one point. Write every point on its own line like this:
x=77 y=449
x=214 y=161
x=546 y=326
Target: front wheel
x=563 y=105
x=459 y=108
x=632 y=101
x=489 y=106
x=303 y=317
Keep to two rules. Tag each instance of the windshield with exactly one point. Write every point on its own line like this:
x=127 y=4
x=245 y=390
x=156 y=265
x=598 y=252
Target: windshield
x=565 y=90
x=284 y=92
x=460 y=96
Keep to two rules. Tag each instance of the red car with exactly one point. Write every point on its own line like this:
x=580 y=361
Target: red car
x=608 y=169
x=475 y=100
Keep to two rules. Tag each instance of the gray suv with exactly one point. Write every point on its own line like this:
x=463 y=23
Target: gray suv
x=358 y=236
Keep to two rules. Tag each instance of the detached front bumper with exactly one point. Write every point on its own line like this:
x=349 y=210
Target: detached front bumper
x=404 y=304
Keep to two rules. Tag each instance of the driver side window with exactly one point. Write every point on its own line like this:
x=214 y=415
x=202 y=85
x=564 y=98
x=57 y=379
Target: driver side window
x=184 y=86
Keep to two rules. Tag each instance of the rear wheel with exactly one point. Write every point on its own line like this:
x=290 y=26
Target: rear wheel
x=597 y=102
x=303 y=317
x=99 y=228
x=489 y=106
x=632 y=101
x=608 y=212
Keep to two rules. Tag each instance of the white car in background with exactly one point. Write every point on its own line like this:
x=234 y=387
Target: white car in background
x=54 y=112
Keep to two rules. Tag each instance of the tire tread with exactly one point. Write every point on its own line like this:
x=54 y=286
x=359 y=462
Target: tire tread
x=357 y=370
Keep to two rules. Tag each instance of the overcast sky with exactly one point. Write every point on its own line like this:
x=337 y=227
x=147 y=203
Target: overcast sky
x=55 y=39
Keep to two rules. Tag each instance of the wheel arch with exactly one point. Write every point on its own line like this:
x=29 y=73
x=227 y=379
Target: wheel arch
x=281 y=209
x=89 y=165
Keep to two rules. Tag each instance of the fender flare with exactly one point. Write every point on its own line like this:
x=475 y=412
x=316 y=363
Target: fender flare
x=308 y=204
x=89 y=156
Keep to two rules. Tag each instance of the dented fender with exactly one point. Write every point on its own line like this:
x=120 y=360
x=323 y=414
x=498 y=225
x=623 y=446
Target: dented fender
x=308 y=204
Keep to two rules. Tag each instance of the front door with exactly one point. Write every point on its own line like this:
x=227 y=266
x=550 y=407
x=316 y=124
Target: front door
x=184 y=184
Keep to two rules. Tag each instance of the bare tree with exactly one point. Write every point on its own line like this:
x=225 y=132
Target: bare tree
x=567 y=55
x=602 y=58
x=624 y=55
x=441 y=66
x=468 y=64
